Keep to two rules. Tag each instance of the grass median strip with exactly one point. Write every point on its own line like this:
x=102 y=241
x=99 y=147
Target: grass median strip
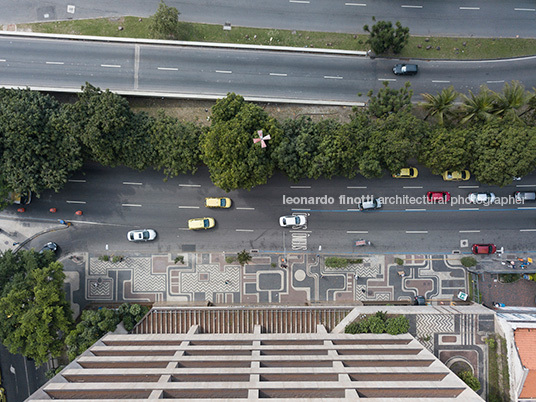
x=418 y=47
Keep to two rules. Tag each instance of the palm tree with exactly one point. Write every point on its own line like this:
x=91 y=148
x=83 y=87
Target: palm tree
x=477 y=107
x=512 y=98
x=440 y=105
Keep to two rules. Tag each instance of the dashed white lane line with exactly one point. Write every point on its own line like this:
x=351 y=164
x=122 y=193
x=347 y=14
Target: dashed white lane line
x=352 y=210
x=415 y=209
x=246 y=209
x=76 y=181
x=416 y=231
x=357 y=231
x=300 y=209
x=132 y=183
x=527 y=230
x=168 y=69
x=440 y=81
x=468 y=209
x=468 y=186
x=189 y=185
x=2 y=60
x=469 y=231
x=75 y=202
x=412 y=187
x=300 y=186
x=355 y=4
x=244 y=230
x=110 y=65
x=526 y=207
x=332 y=77
x=278 y=74
x=495 y=82
x=55 y=62
x=524 y=9
x=224 y=71
x=350 y=187
x=526 y=185
x=183 y=229
x=299 y=1
x=187 y=206
x=131 y=205
x=469 y=8
x=386 y=79
x=406 y=6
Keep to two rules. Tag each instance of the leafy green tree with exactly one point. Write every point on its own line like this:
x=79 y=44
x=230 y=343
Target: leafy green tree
x=511 y=100
x=447 y=149
x=233 y=160
x=131 y=314
x=37 y=154
x=384 y=37
x=477 y=108
x=37 y=316
x=138 y=151
x=468 y=378
x=389 y=100
x=176 y=145
x=164 y=24
x=397 y=325
x=376 y=325
x=243 y=257
x=440 y=105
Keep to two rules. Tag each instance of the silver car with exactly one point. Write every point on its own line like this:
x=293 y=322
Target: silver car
x=481 y=198
x=141 y=235
x=292 y=220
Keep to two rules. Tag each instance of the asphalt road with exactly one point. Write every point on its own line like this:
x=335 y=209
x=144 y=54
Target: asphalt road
x=202 y=71
x=431 y=17
x=114 y=201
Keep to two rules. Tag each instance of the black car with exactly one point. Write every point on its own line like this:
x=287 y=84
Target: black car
x=420 y=301
x=49 y=246
x=405 y=69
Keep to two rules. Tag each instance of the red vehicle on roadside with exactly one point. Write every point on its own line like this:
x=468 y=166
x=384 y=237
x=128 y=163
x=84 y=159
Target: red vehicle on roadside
x=484 y=248
x=438 y=196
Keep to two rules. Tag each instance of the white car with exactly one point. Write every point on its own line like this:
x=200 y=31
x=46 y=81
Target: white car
x=481 y=198
x=141 y=235
x=292 y=220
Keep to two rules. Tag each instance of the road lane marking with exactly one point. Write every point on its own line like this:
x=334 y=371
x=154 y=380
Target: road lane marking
x=132 y=183
x=386 y=79
x=355 y=4
x=352 y=210
x=76 y=181
x=278 y=74
x=168 y=68
x=300 y=186
x=495 y=82
x=2 y=60
x=244 y=230
x=469 y=231
x=356 y=187
x=299 y=1
x=468 y=186
x=469 y=8
x=110 y=65
x=524 y=9
x=526 y=185
x=468 y=209
x=75 y=202
x=245 y=208
x=55 y=62
x=526 y=207
x=416 y=231
x=187 y=206
x=189 y=185
x=224 y=71
x=136 y=65
x=440 y=81
x=183 y=229
x=332 y=77
x=357 y=231
x=300 y=209
x=415 y=209
x=527 y=230
x=406 y=6
x=412 y=187
x=131 y=205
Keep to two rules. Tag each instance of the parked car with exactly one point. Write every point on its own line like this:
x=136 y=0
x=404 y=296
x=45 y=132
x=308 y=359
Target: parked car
x=481 y=198
x=370 y=204
x=406 y=173
x=141 y=235
x=419 y=301
x=20 y=198
x=50 y=246
x=438 y=196
x=522 y=196
x=201 y=223
x=483 y=248
x=218 y=202
x=454 y=175
x=405 y=69
x=292 y=220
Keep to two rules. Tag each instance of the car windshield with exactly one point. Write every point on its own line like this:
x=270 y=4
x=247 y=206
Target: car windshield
x=222 y=202
x=205 y=223
x=145 y=235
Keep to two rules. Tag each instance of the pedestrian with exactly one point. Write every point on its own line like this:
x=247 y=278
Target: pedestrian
x=363 y=290
x=15 y=243
x=356 y=277
x=227 y=282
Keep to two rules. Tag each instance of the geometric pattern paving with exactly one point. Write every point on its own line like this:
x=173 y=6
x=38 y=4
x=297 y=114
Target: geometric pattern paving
x=429 y=324
x=210 y=279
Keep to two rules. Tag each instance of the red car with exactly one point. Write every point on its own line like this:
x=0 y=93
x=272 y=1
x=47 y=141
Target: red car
x=438 y=196
x=484 y=248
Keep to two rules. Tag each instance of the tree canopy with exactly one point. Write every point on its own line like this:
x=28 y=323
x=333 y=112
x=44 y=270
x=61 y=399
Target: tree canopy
x=384 y=37
x=164 y=23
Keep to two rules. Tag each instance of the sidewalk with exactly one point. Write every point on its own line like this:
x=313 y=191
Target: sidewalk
x=14 y=232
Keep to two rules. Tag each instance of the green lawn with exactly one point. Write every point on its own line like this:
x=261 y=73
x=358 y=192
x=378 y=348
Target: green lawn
x=450 y=48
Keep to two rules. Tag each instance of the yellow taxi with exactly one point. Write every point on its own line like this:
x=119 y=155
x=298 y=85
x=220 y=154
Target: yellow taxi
x=201 y=223
x=451 y=175
x=406 y=173
x=218 y=202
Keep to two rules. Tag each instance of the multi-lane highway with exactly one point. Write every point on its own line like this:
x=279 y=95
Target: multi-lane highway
x=117 y=200
x=430 y=17
x=201 y=71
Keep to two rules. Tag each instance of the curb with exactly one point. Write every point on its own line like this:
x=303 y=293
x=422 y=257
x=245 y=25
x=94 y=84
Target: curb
x=29 y=239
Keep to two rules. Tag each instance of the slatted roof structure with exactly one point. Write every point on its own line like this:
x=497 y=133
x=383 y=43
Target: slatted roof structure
x=316 y=366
